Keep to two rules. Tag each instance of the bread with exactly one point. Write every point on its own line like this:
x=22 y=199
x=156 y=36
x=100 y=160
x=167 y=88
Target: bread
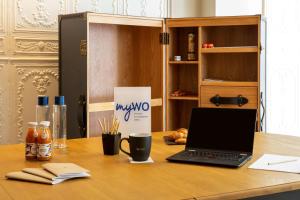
x=179 y=137
x=180 y=141
x=183 y=131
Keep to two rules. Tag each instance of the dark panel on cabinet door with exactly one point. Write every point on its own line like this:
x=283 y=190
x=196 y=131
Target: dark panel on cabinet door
x=73 y=71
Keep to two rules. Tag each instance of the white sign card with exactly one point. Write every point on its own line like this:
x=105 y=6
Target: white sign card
x=133 y=109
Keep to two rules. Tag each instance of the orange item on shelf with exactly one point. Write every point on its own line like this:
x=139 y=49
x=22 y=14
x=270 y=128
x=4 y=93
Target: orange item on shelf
x=31 y=141
x=44 y=142
x=211 y=45
x=204 y=45
x=178 y=93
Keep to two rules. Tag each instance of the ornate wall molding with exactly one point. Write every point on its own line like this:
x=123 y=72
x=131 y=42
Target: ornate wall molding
x=28 y=45
x=1 y=45
x=1 y=110
x=125 y=7
x=115 y=7
x=36 y=46
x=40 y=80
x=162 y=8
x=1 y=114
x=143 y=7
x=40 y=17
x=94 y=4
x=2 y=15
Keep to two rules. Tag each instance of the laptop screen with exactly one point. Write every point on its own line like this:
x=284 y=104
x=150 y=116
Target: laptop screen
x=222 y=129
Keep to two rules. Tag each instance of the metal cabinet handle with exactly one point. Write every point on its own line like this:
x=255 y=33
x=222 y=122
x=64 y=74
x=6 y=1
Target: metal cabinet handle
x=239 y=100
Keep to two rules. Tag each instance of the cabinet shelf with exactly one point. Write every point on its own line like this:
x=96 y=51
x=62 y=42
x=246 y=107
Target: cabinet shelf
x=184 y=62
x=242 y=49
x=230 y=83
x=188 y=97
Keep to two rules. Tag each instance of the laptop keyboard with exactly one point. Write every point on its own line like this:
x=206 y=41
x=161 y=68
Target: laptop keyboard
x=214 y=155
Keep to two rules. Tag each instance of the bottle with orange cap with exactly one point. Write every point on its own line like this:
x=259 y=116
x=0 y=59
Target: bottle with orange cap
x=31 y=141
x=44 y=142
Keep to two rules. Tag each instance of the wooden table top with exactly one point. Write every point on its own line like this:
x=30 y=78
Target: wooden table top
x=113 y=177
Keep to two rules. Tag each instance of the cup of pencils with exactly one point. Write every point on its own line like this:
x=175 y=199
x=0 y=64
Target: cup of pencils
x=110 y=136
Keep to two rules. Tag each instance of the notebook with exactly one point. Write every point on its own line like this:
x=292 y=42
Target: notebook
x=24 y=176
x=219 y=136
x=66 y=170
x=51 y=173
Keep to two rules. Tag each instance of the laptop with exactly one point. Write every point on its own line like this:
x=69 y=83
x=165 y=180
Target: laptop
x=219 y=137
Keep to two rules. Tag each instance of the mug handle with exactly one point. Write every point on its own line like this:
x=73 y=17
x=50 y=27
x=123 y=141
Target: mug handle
x=121 y=146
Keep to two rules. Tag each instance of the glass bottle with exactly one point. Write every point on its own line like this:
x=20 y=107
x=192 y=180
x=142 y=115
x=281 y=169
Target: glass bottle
x=42 y=109
x=59 y=122
x=44 y=142
x=31 y=141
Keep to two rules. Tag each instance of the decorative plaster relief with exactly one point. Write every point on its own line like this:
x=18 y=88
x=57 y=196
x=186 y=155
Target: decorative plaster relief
x=1 y=112
x=40 y=79
x=87 y=5
x=162 y=8
x=154 y=8
x=38 y=14
x=146 y=8
x=1 y=45
x=100 y=6
x=2 y=13
x=125 y=7
x=36 y=46
x=143 y=5
x=135 y=8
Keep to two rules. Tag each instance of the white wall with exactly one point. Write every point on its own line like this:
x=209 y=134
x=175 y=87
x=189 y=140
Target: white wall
x=29 y=52
x=206 y=8
x=184 y=8
x=238 y=7
x=192 y=8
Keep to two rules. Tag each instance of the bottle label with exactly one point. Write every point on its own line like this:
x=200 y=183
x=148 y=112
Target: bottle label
x=44 y=136
x=44 y=150
x=31 y=149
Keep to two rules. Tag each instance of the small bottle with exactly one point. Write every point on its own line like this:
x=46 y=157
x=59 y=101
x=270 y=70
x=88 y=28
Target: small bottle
x=31 y=141
x=191 y=47
x=42 y=109
x=59 y=122
x=44 y=142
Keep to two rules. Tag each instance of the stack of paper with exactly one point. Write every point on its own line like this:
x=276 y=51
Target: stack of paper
x=51 y=173
x=277 y=163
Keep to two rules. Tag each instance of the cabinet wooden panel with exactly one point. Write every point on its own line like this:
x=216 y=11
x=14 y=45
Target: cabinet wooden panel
x=135 y=51
x=104 y=52
x=207 y=92
x=229 y=68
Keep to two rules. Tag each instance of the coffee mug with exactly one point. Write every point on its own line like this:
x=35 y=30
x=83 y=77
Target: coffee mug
x=139 y=145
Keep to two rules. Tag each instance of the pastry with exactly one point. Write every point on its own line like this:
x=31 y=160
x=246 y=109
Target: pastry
x=180 y=141
x=179 y=136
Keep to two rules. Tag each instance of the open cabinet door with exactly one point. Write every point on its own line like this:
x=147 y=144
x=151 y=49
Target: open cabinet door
x=181 y=76
x=72 y=71
x=122 y=51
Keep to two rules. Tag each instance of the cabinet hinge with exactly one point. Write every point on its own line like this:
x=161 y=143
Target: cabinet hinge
x=83 y=47
x=164 y=38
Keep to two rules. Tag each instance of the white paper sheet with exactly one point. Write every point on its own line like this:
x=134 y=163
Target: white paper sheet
x=277 y=163
x=140 y=162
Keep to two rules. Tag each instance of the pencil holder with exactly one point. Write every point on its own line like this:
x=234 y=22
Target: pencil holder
x=110 y=143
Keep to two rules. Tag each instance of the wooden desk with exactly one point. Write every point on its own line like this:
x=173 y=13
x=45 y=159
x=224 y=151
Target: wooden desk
x=114 y=178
